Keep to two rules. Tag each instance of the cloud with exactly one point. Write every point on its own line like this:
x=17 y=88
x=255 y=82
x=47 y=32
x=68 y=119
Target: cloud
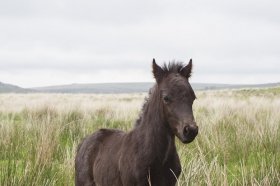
x=224 y=39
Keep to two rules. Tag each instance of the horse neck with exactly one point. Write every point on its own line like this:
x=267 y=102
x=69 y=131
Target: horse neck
x=153 y=128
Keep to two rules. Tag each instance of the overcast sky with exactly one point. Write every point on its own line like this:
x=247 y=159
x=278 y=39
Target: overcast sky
x=64 y=41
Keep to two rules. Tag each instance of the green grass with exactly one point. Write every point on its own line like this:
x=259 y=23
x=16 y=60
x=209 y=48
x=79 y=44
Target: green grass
x=238 y=141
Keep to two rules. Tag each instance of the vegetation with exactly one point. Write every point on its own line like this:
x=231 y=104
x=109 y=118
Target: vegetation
x=238 y=141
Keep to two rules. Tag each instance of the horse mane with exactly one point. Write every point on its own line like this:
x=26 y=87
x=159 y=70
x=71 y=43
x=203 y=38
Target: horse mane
x=144 y=106
x=172 y=67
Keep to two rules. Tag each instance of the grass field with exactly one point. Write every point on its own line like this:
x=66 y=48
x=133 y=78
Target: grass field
x=238 y=141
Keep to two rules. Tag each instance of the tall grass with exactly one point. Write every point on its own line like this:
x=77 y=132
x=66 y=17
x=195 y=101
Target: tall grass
x=238 y=141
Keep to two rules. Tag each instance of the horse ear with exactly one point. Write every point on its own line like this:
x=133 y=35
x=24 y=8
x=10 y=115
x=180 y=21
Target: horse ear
x=157 y=71
x=187 y=70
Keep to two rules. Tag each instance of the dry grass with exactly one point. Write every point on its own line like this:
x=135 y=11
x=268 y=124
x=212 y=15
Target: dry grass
x=238 y=142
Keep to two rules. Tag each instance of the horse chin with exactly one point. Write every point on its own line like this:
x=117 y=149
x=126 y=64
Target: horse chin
x=186 y=139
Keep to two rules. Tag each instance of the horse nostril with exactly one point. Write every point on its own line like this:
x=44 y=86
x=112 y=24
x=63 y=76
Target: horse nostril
x=186 y=130
x=191 y=130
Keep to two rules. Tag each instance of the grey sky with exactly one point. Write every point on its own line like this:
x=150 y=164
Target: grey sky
x=60 y=42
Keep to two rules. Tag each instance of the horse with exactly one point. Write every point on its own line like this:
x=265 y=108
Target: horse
x=147 y=154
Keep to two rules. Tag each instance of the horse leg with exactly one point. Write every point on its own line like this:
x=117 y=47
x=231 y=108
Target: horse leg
x=172 y=170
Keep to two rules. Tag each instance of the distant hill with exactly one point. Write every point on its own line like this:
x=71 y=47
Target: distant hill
x=112 y=88
x=8 y=88
x=136 y=87
x=209 y=86
x=98 y=88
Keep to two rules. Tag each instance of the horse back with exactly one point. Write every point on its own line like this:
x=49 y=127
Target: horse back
x=95 y=153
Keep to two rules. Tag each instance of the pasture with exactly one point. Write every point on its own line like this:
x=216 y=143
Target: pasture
x=238 y=141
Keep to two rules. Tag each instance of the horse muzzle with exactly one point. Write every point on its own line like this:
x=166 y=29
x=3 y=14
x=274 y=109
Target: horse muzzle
x=189 y=133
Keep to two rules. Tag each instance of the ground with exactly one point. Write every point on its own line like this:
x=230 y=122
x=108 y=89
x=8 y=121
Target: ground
x=238 y=141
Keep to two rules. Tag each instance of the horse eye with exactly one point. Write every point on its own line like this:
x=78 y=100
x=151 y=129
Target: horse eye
x=166 y=99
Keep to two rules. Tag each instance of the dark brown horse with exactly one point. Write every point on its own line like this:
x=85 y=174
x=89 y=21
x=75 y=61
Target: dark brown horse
x=147 y=154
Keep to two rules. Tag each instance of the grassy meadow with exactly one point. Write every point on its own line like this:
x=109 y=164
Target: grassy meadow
x=238 y=141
